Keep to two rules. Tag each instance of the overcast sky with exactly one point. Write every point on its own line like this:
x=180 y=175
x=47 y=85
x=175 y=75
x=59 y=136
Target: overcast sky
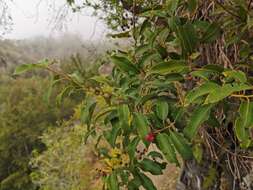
x=36 y=18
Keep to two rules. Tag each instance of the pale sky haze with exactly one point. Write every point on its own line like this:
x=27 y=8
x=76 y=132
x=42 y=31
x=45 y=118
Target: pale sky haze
x=33 y=18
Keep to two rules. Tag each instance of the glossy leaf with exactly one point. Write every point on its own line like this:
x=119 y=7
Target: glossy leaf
x=211 y=33
x=147 y=182
x=131 y=148
x=181 y=145
x=172 y=66
x=28 y=67
x=147 y=58
x=187 y=37
x=164 y=144
x=113 y=182
x=239 y=76
x=124 y=115
x=162 y=109
x=140 y=122
x=198 y=152
x=64 y=93
x=151 y=166
x=199 y=116
x=244 y=121
x=87 y=111
x=155 y=154
x=202 y=90
x=124 y=64
x=225 y=91
x=172 y=5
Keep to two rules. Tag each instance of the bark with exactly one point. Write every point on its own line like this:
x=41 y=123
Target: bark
x=197 y=176
x=220 y=168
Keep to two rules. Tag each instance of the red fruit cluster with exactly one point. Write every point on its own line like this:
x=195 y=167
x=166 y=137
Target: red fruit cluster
x=150 y=137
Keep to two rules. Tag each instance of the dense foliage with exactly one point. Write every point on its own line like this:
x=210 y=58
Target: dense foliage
x=184 y=87
x=29 y=107
x=65 y=163
x=24 y=116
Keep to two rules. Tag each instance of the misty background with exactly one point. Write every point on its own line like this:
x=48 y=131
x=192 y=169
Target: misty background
x=52 y=18
x=41 y=29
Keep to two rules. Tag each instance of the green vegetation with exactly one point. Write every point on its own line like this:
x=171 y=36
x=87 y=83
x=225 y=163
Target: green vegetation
x=184 y=86
x=67 y=162
x=181 y=93
x=31 y=111
x=24 y=118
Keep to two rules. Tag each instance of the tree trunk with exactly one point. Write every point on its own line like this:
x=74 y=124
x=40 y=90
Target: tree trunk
x=226 y=169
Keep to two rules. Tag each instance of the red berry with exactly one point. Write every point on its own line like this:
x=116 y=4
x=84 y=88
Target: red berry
x=150 y=137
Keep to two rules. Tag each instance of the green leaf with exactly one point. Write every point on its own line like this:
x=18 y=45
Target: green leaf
x=142 y=49
x=240 y=130
x=246 y=113
x=103 y=112
x=162 y=109
x=224 y=91
x=215 y=68
x=198 y=152
x=134 y=184
x=87 y=111
x=48 y=93
x=207 y=71
x=124 y=64
x=199 y=116
x=155 y=154
x=124 y=116
x=212 y=32
x=166 y=147
x=174 y=77
x=111 y=136
x=64 y=93
x=202 y=90
x=172 y=66
x=77 y=77
x=181 y=145
x=163 y=35
x=113 y=182
x=172 y=5
x=101 y=79
x=239 y=76
x=147 y=182
x=152 y=13
x=141 y=124
x=148 y=57
x=151 y=166
x=28 y=67
x=24 y=68
x=244 y=121
x=187 y=37
x=203 y=73
x=131 y=148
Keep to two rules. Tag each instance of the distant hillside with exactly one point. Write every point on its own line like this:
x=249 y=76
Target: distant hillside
x=14 y=52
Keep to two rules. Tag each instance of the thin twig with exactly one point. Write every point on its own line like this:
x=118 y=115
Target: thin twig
x=230 y=167
x=64 y=75
x=242 y=96
x=249 y=5
x=163 y=129
x=226 y=150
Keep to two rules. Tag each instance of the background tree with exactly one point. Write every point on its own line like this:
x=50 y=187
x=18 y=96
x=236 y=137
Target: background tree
x=67 y=162
x=24 y=117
